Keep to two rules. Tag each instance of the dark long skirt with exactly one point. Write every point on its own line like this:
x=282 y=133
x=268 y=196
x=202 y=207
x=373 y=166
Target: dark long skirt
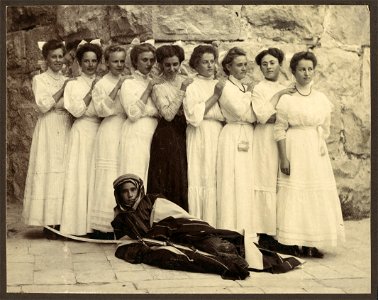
x=167 y=173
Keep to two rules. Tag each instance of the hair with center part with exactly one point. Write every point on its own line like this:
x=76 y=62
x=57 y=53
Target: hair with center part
x=275 y=52
x=52 y=45
x=167 y=51
x=88 y=48
x=112 y=49
x=230 y=56
x=306 y=55
x=138 y=49
x=198 y=52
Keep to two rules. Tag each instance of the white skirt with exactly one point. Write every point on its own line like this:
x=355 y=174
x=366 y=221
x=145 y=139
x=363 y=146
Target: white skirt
x=265 y=167
x=75 y=201
x=103 y=172
x=45 y=178
x=308 y=206
x=135 y=147
x=235 y=179
x=202 y=147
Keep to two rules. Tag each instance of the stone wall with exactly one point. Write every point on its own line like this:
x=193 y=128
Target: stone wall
x=338 y=35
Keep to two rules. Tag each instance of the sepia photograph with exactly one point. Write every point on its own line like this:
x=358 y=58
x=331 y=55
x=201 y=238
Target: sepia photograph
x=213 y=150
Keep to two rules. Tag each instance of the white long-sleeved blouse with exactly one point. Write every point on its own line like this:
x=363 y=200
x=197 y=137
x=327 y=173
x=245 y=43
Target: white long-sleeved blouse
x=236 y=102
x=130 y=94
x=44 y=86
x=296 y=110
x=74 y=93
x=103 y=104
x=197 y=93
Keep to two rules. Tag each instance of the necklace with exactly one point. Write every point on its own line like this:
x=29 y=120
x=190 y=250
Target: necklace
x=303 y=94
x=242 y=90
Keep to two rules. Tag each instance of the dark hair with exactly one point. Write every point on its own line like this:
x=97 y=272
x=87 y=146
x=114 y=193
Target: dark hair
x=72 y=45
x=167 y=51
x=302 y=55
x=230 y=56
x=88 y=48
x=277 y=53
x=138 y=49
x=199 y=51
x=52 y=45
x=111 y=49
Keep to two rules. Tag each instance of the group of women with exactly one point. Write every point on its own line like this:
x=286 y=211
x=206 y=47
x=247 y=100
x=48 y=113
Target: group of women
x=251 y=159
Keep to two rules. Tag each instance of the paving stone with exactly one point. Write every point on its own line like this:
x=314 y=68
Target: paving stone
x=358 y=290
x=324 y=290
x=96 y=276
x=323 y=272
x=17 y=249
x=168 y=274
x=54 y=276
x=94 y=257
x=89 y=266
x=19 y=273
x=351 y=271
x=277 y=281
x=194 y=275
x=121 y=265
x=46 y=247
x=347 y=283
x=26 y=258
x=193 y=290
x=185 y=283
x=246 y=290
x=283 y=290
x=83 y=288
x=14 y=289
x=135 y=276
x=53 y=262
x=83 y=247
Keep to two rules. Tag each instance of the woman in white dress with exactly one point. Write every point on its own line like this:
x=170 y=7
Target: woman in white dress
x=204 y=119
x=234 y=166
x=77 y=100
x=167 y=172
x=105 y=97
x=265 y=96
x=142 y=113
x=45 y=178
x=308 y=206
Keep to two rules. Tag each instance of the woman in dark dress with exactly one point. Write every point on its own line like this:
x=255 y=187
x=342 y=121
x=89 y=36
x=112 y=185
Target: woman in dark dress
x=167 y=172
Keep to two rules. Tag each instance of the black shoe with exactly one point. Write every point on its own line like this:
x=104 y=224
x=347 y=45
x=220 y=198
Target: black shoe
x=49 y=234
x=268 y=242
x=311 y=252
x=289 y=250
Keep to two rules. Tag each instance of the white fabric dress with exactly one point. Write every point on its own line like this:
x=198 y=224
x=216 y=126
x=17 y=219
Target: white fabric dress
x=105 y=156
x=139 y=128
x=80 y=149
x=45 y=178
x=264 y=159
x=308 y=206
x=234 y=166
x=202 y=135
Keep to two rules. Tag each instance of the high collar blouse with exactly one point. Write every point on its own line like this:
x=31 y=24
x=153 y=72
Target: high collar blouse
x=236 y=102
x=201 y=89
x=74 y=94
x=131 y=92
x=261 y=95
x=103 y=104
x=44 y=86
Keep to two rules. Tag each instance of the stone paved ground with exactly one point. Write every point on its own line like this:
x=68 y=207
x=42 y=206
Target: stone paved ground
x=38 y=265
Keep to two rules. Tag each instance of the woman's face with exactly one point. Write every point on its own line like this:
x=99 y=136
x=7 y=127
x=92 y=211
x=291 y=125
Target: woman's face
x=128 y=193
x=238 y=67
x=206 y=65
x=270 y=67
x=55 y=59
x=304 y=72
x=89 y=63
x=170 y=66
x=145 y=62
x=116 y=62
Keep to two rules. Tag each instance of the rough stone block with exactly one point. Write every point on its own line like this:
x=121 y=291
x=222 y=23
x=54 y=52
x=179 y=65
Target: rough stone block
x=54 y=276
x=19 y=273
x=196 y=22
